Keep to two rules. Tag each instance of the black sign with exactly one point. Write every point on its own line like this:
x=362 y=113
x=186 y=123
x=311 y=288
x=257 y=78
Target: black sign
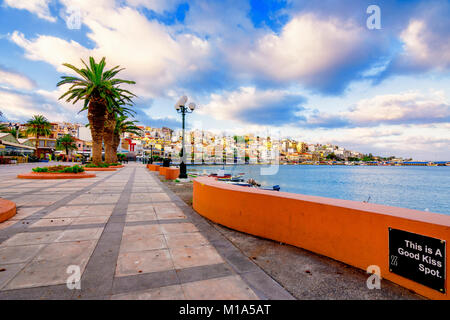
x=418 y=258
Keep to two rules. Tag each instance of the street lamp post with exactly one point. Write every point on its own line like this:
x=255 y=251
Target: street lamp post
x=151 y=153
x=181 y=108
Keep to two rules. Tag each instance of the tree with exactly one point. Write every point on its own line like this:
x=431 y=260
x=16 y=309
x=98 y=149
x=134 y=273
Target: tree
x=367 y=158
x=123 y=124
x=38 y=126
x=100 y=92
x=110 y=125
x=16 y=133
x=332 y=156
x=67 y=143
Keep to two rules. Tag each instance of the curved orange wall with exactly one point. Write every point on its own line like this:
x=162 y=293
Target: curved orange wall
x=162 y=170
x=172 y=173
x=353 y=232
x=7 y=209
x=153 y=167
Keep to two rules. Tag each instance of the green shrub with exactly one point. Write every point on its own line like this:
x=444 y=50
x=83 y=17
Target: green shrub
x=68 y=170
x=60 y=169
x=100 y=165
x=77 y=169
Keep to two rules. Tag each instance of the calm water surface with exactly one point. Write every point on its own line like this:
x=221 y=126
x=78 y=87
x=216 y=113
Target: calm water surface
x=420 y=188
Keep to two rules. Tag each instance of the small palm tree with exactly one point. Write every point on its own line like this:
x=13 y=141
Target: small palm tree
x=100 y=92
x=16 y=133
x=38 y=126
x=123 y=124
x=67 y=143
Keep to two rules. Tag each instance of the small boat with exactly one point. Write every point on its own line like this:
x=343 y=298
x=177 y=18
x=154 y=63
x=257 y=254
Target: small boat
x=237 y=178
x=221 y=176
x=241 y=184
x=274 y=188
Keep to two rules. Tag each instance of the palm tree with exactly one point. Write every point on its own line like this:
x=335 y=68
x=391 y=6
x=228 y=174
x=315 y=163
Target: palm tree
x=67 y=143
x=123 y=125
x=100 y=92
x=110 y=125
x=38 y=126
x=16 y=133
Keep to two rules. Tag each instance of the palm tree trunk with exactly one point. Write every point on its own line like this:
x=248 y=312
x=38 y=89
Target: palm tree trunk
x=96 y=116
x=108 y=137
x=116 y=142
x=37 y=145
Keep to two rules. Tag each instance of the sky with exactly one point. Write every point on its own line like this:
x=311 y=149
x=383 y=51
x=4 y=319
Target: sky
x=309 y=70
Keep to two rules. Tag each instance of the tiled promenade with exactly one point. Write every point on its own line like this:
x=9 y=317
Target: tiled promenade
x=130 y=236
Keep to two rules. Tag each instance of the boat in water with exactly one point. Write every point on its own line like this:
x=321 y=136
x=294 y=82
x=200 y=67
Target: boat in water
x=243 y=184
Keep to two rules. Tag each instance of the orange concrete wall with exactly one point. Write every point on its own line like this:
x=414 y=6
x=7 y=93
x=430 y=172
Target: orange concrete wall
x=162 y=170
x=353 y=232
x=100 y=169
x=7 y=209
x=153 y=167
x=172 y=173
x=55 y=175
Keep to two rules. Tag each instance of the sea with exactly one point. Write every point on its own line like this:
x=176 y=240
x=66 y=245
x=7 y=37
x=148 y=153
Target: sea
x=413 y=187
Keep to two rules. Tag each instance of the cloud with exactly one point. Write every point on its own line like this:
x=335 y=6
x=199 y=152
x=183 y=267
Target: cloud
x=159 y=6
x=38 y=7
x=154 y=55
x=220 y=20
x=249 y=105
x=15 y=80
x=392 y=109
x=159 y=122
x=424 y=39
x=420 y=143
x=424 y=47
x=323 y=53
x=325 y=120
x=404 y=108
x=22 y=106
x=52 y=50
x=146 y=116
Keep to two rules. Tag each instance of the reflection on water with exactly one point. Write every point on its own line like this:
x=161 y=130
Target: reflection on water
x=421 y=188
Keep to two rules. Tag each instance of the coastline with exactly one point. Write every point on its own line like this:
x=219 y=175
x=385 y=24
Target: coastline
x=413 y=187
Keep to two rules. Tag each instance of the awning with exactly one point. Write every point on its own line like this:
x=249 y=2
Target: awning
x=7 y=143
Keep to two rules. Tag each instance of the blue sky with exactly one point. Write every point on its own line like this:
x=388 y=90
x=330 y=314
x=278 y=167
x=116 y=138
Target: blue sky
x=310 y=70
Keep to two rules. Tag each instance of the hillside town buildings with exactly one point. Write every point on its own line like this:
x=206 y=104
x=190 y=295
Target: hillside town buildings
x=201 y=146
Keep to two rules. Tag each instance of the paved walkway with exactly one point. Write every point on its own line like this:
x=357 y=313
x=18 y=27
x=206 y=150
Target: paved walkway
x=128 y=234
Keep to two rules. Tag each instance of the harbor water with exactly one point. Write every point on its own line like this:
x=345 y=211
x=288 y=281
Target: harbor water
x=420 y=188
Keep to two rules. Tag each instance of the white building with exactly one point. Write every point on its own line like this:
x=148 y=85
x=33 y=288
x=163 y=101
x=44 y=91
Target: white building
x=84 y=133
